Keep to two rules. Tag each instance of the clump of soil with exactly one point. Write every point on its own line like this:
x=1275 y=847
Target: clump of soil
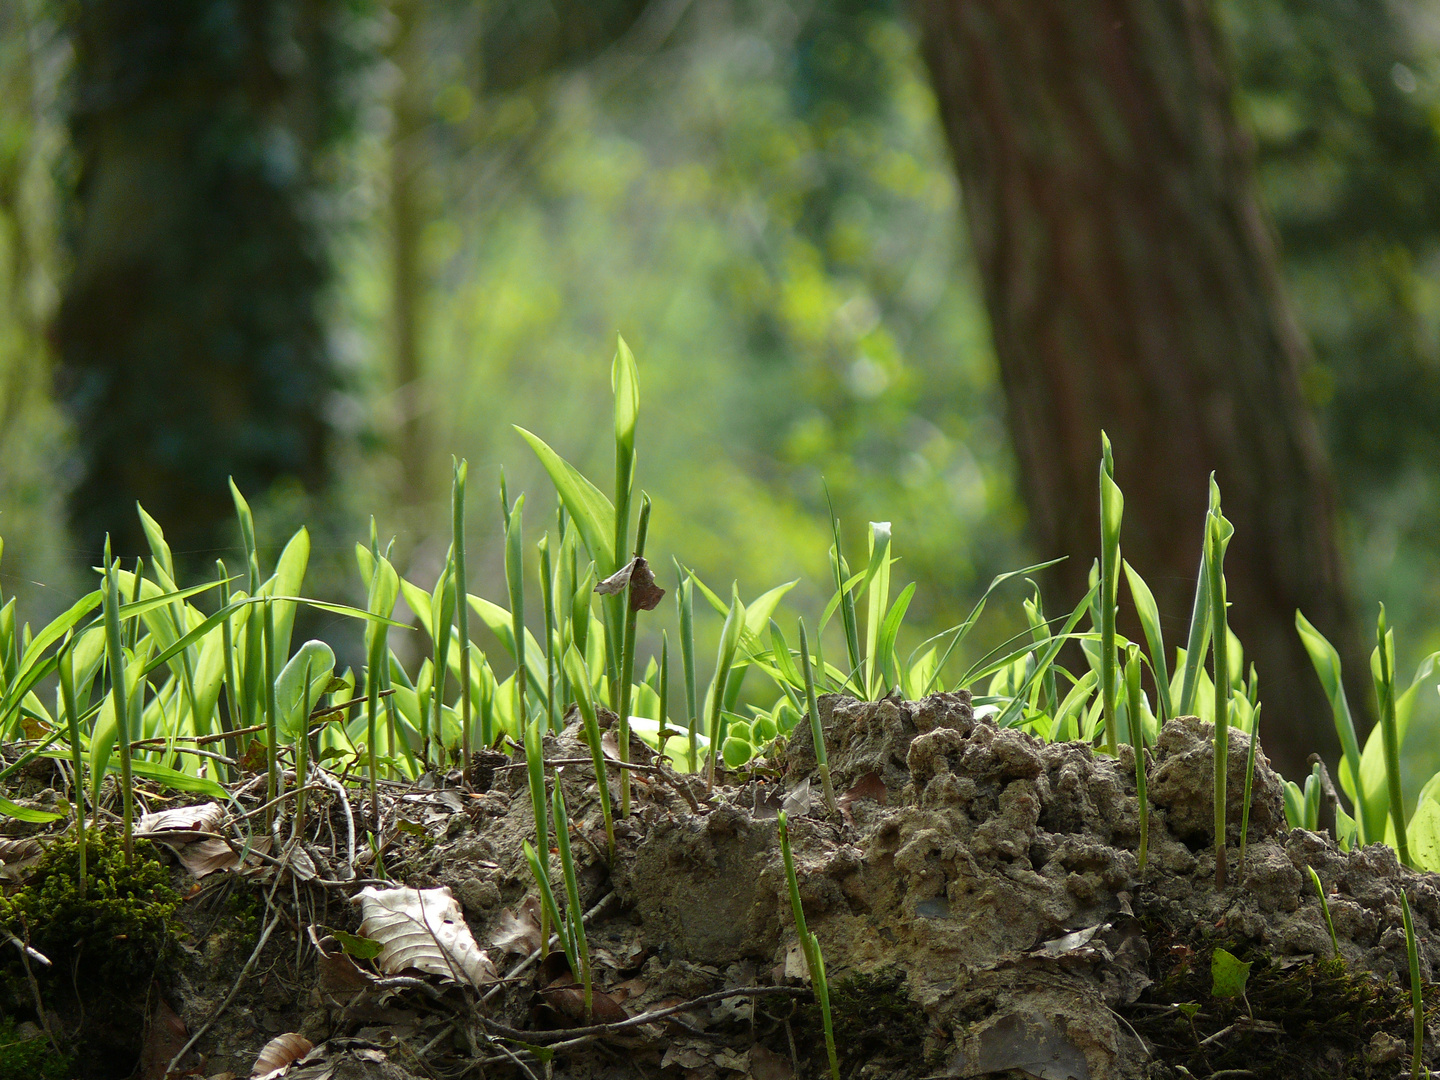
x=977 y=898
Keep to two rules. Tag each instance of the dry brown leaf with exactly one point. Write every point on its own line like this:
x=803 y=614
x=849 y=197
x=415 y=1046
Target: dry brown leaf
x=175 y=822
x=338 y=979
x=768 y=1065
x=278 y=1053
x=165 y=1035
x=422 y=929
x=518 y=931
x=207 y=856
x=869 y=786
x=18 y=856
x=567 y=997
x=644 y=593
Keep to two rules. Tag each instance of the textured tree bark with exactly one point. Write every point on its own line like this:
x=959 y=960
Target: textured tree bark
x=1132 y=285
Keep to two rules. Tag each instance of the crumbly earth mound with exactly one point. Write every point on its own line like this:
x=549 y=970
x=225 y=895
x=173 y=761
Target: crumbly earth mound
x=977 y=897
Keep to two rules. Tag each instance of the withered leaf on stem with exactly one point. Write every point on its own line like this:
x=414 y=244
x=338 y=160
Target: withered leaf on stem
x=644 y=593
x=280 y=1052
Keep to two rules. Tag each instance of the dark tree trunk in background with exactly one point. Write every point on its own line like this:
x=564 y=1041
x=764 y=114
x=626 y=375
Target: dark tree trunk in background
x=190 y=341
x=1132 y=285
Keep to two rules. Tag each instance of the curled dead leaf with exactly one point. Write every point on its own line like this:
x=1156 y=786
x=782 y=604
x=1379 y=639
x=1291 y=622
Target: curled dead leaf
x=173 y=824
x=567 y=997
x=645 y=595
x=869 y=786
x=518 y=931
x=422 y=929
x=279 y=1052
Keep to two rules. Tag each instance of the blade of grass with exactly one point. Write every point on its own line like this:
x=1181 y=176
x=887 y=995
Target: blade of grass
x=1112 y=507
x=1218 y=532
x=462 y=609
x=116 y=659
x=1137 y=745
x=1385 y=697
x=685 y=601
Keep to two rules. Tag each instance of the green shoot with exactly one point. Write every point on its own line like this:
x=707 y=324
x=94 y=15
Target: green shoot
x=810 y=945
x=627 y=660
x=579 y=674
x=574 y=913
x=625 y=386
x=1112 y=507
x=72 y=722
x=1326 y=660
x=685 y=601
x=1149 y=613
x=877 y=599
x=1325 y=910
x=725 y=658
x=1249 y=783
x=1137 y=744
x=535 y=770
x=845 y=597
x=817 y=734
x=1218 y=532
x=1383 y=668
x=462 y=609
x=515 y=587
x=1417 y=1001
x=230 y=719
x=272 y=767
x=115 y=656
x=1199 y=637
x=547 y=598
x=548 y=905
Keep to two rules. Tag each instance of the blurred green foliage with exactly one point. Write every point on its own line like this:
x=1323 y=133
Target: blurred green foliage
x=756 y=194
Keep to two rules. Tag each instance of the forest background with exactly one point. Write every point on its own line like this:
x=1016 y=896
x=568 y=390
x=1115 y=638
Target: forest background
x=370 y=236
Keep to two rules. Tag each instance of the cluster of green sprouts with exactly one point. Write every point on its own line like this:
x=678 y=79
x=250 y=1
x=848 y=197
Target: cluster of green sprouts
x=153 y=687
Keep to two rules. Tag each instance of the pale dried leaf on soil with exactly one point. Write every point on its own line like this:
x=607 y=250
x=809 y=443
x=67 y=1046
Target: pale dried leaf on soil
x=518 y=931
x=422 y=929
x=278 y=1053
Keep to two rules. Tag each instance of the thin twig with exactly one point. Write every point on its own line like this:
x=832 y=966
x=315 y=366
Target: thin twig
x=565 y=1038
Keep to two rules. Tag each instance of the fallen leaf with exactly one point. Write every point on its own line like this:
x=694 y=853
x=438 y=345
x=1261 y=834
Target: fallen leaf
x=165 y=1036
x=278 y=1053
x=518 y=932
x=18 y=856
x=361 y=947
x=337 y=978
x=422 y=929
x=1030 y=1044
x=768 y=1065
x=207 y=856
x=174 y=823
x=797 y=802
x=1067 y=942
x=567 y=997
x=869 y=786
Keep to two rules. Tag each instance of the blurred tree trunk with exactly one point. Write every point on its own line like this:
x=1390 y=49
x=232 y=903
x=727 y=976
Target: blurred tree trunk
x=190 y=342
x=1132 y=285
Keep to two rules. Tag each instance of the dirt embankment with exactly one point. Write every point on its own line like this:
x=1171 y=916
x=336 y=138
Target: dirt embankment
x=977 y=898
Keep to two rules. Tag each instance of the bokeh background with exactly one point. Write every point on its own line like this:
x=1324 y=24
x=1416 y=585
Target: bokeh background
x=324 y=245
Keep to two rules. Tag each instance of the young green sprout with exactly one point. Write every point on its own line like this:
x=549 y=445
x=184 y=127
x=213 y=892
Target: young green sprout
x=685 y=601
x=580 y=683
x=810 y=946
x=1249 y=784
x=548 y=906
x=1112 y=508
x=574 y=913
x=1417 y=1000
x=535 y=770
x=552 y=632
x=272 y=766
x=1137 y=744
x=115 y=656
x=1385 y=697
x=627 y=658
x=725 y=658
x=817 y=734
x=462 y=608
x=1217 y=537
x=515 y=586
x=66 y=660
x=1325 y=910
